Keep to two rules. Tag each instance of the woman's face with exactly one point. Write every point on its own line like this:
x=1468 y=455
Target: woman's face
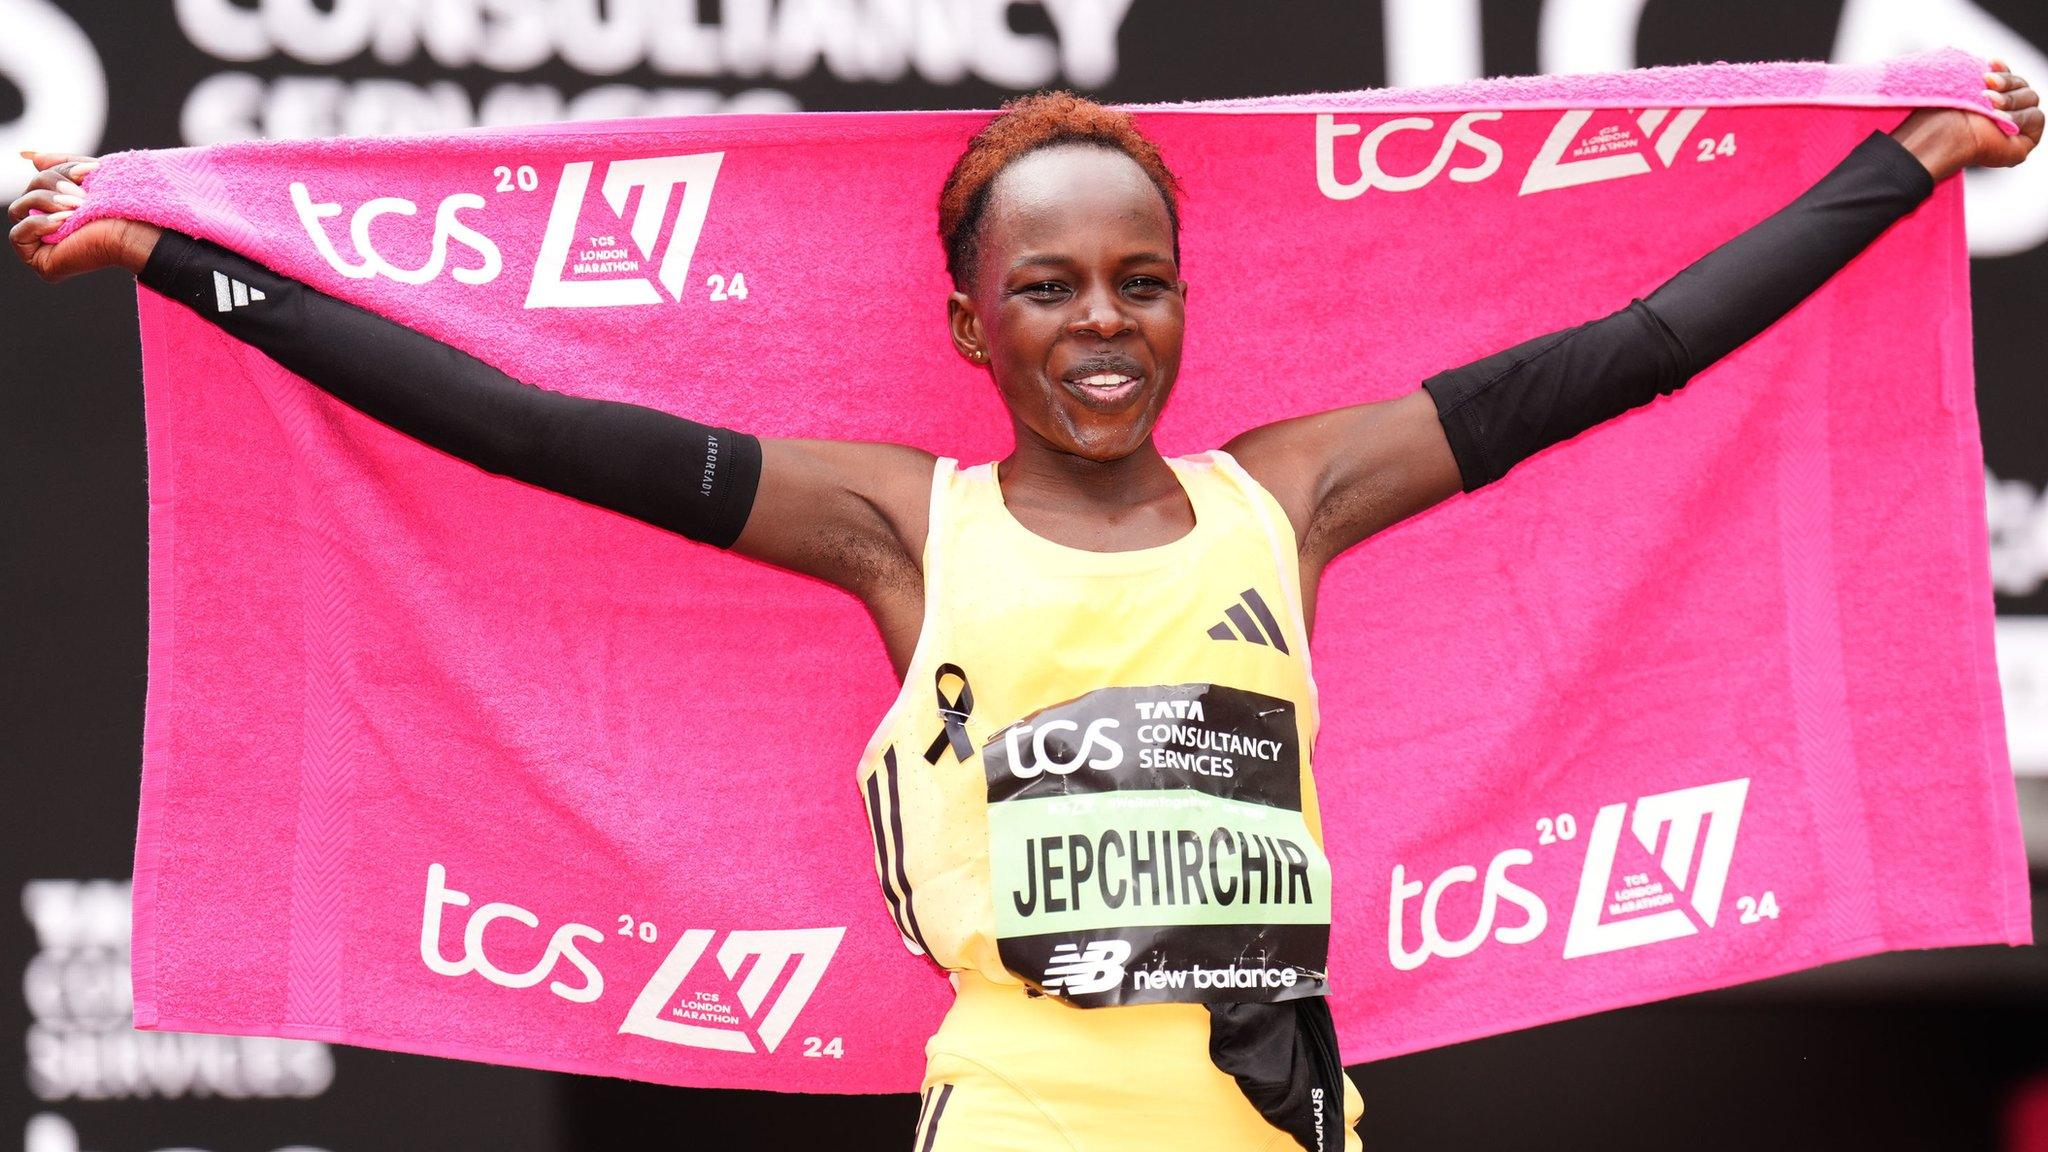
x=1077 y=301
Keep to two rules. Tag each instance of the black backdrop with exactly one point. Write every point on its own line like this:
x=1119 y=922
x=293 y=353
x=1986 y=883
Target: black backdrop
x=1924 y=1051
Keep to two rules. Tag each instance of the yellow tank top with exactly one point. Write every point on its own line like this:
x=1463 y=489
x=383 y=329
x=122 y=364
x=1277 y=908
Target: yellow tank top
x=1095 y=780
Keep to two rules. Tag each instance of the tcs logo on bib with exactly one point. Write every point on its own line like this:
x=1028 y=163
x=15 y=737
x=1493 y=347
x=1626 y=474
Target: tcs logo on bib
x=1051 y=747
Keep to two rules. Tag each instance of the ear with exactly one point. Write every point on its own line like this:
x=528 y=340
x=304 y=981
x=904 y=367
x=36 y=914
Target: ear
x=965 y=325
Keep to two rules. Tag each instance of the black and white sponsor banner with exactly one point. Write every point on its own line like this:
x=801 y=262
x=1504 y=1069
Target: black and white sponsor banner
x=89 y=1082
x=77 y=75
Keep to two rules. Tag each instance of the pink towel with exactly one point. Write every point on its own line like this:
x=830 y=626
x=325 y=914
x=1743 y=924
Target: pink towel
x=441 y=763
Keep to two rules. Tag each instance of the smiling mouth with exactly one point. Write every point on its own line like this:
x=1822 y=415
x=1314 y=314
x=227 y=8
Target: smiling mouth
x=1105 y=391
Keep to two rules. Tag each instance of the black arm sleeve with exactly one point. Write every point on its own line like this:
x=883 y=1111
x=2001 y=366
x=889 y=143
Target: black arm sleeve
x=1505 y=408
x=689 y=478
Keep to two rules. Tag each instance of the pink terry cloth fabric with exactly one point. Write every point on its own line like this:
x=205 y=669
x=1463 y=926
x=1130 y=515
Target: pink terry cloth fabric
x=441 y=763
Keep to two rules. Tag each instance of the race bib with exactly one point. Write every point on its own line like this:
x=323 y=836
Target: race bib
x=1147 y=845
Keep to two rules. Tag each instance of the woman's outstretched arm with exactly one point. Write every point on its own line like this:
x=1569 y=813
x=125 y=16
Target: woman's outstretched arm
x=851 y=514
x=1346 y=474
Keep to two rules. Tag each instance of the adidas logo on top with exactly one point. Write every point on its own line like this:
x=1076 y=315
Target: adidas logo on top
x=1254 y=622
x=230 y=294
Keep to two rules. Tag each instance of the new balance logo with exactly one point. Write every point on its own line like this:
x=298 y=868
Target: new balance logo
x=1254 y=622
x=230 y=294
x=1099 y=969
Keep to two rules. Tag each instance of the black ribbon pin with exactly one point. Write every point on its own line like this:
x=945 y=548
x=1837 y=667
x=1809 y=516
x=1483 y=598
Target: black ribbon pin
x=954 y=712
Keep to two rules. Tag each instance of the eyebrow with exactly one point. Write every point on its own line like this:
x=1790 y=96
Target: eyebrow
x=1068 y=261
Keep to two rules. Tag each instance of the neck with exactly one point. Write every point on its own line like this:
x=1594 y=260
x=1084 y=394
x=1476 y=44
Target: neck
x=1042 y=474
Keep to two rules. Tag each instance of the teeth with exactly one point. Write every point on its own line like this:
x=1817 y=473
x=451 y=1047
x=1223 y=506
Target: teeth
x=1105 y=380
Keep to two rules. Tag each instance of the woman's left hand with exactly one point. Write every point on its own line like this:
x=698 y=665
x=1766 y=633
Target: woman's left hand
x=1948 y=140
x=1991 y=147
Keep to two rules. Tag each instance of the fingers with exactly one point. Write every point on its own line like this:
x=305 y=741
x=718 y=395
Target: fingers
x=44 y=160
x=27 y=235
x=30 y=230
x=45 y=200
x=64 y=177
x=2012 y=100
x=2010 y=92
x=60 y=173
x=59 y=180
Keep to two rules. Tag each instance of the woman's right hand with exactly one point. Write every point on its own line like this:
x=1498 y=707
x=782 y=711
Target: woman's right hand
x=55 y=192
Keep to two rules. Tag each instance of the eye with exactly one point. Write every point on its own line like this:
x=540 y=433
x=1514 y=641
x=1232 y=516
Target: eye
x=1043 y=290
x=1145 y=285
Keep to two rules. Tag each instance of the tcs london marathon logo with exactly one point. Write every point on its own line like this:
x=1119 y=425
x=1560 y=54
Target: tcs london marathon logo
x=594 y=252
x=1584 y=146
x=740 y=990
x=1654 y=870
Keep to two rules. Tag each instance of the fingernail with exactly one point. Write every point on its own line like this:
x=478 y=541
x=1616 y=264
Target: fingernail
x=67 y=188
x=28 y=153
x=67 y=201
x=59 y=217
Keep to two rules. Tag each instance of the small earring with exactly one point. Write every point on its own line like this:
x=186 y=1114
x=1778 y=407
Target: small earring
x=976 y=355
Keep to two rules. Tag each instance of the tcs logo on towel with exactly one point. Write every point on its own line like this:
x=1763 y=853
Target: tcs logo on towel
x=1616 y=905
x=585 y=259
x=713 y=1014
x=1584 y=146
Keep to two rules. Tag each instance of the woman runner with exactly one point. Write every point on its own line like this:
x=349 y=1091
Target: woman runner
x=1100 y=624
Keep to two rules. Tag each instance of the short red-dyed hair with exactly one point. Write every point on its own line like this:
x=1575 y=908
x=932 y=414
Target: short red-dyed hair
x=1027 y=124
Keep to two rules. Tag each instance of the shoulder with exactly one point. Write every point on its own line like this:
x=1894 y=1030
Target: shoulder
x=1349 y=472
x=1279 y=457
x=895 y=480
x=852 y=513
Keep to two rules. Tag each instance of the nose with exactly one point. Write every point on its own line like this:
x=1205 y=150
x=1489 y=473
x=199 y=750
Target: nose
x=1098 y=310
